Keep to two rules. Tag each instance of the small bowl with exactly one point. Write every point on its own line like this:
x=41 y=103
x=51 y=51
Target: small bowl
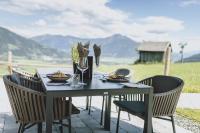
x=122 y=72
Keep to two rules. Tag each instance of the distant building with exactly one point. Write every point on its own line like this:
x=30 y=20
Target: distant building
x=152 y=51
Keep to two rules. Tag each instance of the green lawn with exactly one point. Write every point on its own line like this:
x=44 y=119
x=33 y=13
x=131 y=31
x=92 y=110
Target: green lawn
x=189 y=72
x=3 y=70
x=193 y=114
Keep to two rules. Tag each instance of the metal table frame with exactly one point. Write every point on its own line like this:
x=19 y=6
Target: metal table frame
x=50 y=94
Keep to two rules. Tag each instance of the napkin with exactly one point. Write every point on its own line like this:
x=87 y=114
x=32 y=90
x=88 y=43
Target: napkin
x=83 y=50
x=134 y=85
x=56 y=84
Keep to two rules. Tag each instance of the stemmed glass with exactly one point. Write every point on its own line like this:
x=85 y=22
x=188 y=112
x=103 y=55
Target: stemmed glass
x=82 y=66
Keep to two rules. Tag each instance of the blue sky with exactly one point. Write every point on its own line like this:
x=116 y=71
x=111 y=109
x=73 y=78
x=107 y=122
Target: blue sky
x=156 y=20
x=189 y=13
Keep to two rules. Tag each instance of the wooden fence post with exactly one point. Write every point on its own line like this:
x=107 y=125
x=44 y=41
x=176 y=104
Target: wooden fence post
x=10 y=62
x=167 y=61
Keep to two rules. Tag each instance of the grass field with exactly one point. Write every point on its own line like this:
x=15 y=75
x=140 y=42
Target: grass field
x=193 y=114
x=189 y=72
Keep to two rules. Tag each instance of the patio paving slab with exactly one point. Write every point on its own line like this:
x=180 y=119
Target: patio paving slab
x=84 y=123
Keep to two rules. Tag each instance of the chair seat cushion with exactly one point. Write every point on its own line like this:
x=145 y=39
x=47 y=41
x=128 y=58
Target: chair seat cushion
x=133 y=107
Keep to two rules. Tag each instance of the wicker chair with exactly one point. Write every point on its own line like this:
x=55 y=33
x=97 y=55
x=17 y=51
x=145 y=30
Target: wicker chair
x=167 y=91
x=28 y=104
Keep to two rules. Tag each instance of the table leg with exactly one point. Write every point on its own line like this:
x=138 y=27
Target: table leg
x=49 y=113
x=70 y=111
x=148 y=115
x=87 y=102
x=102 y=111
x=107 y=117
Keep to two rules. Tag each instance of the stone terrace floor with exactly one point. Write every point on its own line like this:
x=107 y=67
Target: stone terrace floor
x=84 y=123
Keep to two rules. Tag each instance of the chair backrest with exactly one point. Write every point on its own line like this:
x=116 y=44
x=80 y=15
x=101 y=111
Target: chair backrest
x=27 y=105
x=165 y=83
x=167 y=90
x=31 y=83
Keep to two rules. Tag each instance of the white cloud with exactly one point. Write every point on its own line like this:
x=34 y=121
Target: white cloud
x=41 y=22
x=193 y=43
x=162 y=24
x=88 y=18
x=189 y=2
x=27 y=7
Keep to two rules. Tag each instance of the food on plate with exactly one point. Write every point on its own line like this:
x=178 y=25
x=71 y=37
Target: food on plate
x=58 y=74
x=114 y=76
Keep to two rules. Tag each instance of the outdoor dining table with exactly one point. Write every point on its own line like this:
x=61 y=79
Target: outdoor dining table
x=95 y=87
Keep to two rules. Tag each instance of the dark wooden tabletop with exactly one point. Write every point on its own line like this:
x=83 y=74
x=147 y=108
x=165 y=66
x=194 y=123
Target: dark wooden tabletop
x=96 y=85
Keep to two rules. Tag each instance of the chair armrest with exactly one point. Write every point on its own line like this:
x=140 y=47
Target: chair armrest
x=147 y=81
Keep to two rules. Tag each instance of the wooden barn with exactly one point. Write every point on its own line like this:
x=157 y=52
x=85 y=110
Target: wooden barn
x=153 y=51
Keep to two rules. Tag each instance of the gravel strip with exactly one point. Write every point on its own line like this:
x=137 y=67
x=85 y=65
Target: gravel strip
x=187 y=124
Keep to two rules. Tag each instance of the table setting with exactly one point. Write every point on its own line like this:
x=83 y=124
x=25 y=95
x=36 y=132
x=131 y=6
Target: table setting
x=83 y=69
x=83 y=80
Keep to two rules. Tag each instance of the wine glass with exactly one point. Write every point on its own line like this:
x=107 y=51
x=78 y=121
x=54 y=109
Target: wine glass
x=82 y=66
x=75 y=80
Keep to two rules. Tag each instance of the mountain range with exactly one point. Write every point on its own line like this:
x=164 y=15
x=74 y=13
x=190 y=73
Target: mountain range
x=24 y=47
x=116 y=45
x=193 y=58
x=59 y=46
x=113 y=46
